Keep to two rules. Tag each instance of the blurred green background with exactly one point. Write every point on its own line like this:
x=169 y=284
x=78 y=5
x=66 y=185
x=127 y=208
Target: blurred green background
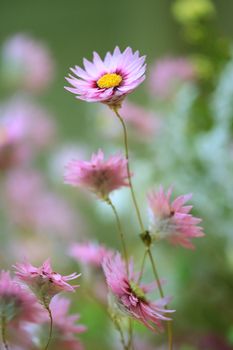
x=200 y=281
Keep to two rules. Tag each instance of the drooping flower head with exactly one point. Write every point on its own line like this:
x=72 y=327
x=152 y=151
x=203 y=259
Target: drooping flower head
x=17 y=304
x=131 y=297
x=43 y=281
x=89 y=253
x=27 y=63
x=172 y=220
x=98 y=175
x=168 y=73
x=109 y=80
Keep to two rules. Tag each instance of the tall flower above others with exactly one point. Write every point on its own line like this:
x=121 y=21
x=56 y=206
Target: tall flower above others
x=132 y=297
x=109 y=80
x=98 y=175
x=43 y=281
x=172 y=220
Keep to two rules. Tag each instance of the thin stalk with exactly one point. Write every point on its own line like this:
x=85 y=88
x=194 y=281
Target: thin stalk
x=121 y=233
x=4 y=340
x=118 y=327
x=131 y=343
x=169 y=323
x=169 y=326
x=142 y=265
x=128 y=169
x=114 y=320
x=50 y=325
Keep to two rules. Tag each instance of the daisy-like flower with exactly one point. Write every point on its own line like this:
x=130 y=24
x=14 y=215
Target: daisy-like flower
x=172 y=220
x=109 y=80
x=17 y=304
x=98 y=175
x=89 y=253
x=43 y=281
x=131 y=297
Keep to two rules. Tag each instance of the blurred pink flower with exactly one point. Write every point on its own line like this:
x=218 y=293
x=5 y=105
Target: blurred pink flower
x=172 y=220
x=36 y=123
x=98 y=175
x=64 y=323
x=12 y=150
x=131 y=297
x=110 y=80
x=17 y=303
x=89 y=253
x=43 y=281
x=143 y=122
x=27 y=63
x=48 y=213
x=168 y=73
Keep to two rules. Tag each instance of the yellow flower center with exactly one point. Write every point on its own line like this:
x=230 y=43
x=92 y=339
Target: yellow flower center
x=137 y=290
x=109 y=80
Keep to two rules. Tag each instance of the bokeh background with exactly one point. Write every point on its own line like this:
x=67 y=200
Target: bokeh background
x=189 y=146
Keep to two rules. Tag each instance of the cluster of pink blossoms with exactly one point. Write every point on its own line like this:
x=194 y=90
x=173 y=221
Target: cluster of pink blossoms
x=20 y=306
x=109 y=81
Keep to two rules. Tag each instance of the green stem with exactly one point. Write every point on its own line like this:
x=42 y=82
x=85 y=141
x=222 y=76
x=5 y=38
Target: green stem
x=142 y=265
x=118 y=328
x=121 y=233
x=4 y=340
x=114 y=320
x=50 y=326
x=128 y=169
x=169 y=323
x=130 y=343
x=169 y=327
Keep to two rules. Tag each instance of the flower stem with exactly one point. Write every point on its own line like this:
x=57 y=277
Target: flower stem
x=142 y=265
x=128 y=170
x=6 y=347
x=169 y=326
x=50 y=326
x=169 y=323
x=121 y=233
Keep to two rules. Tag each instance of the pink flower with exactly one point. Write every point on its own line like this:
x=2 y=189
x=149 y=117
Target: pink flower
x=168 y=73
x=43 y=281
x=27 y=63
x=89 y=253
x=172 y=220
x=48 y=213
x=16 y=302
x=24 y=129
x=98 y=175
x=131 y=297
x=109 y=80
